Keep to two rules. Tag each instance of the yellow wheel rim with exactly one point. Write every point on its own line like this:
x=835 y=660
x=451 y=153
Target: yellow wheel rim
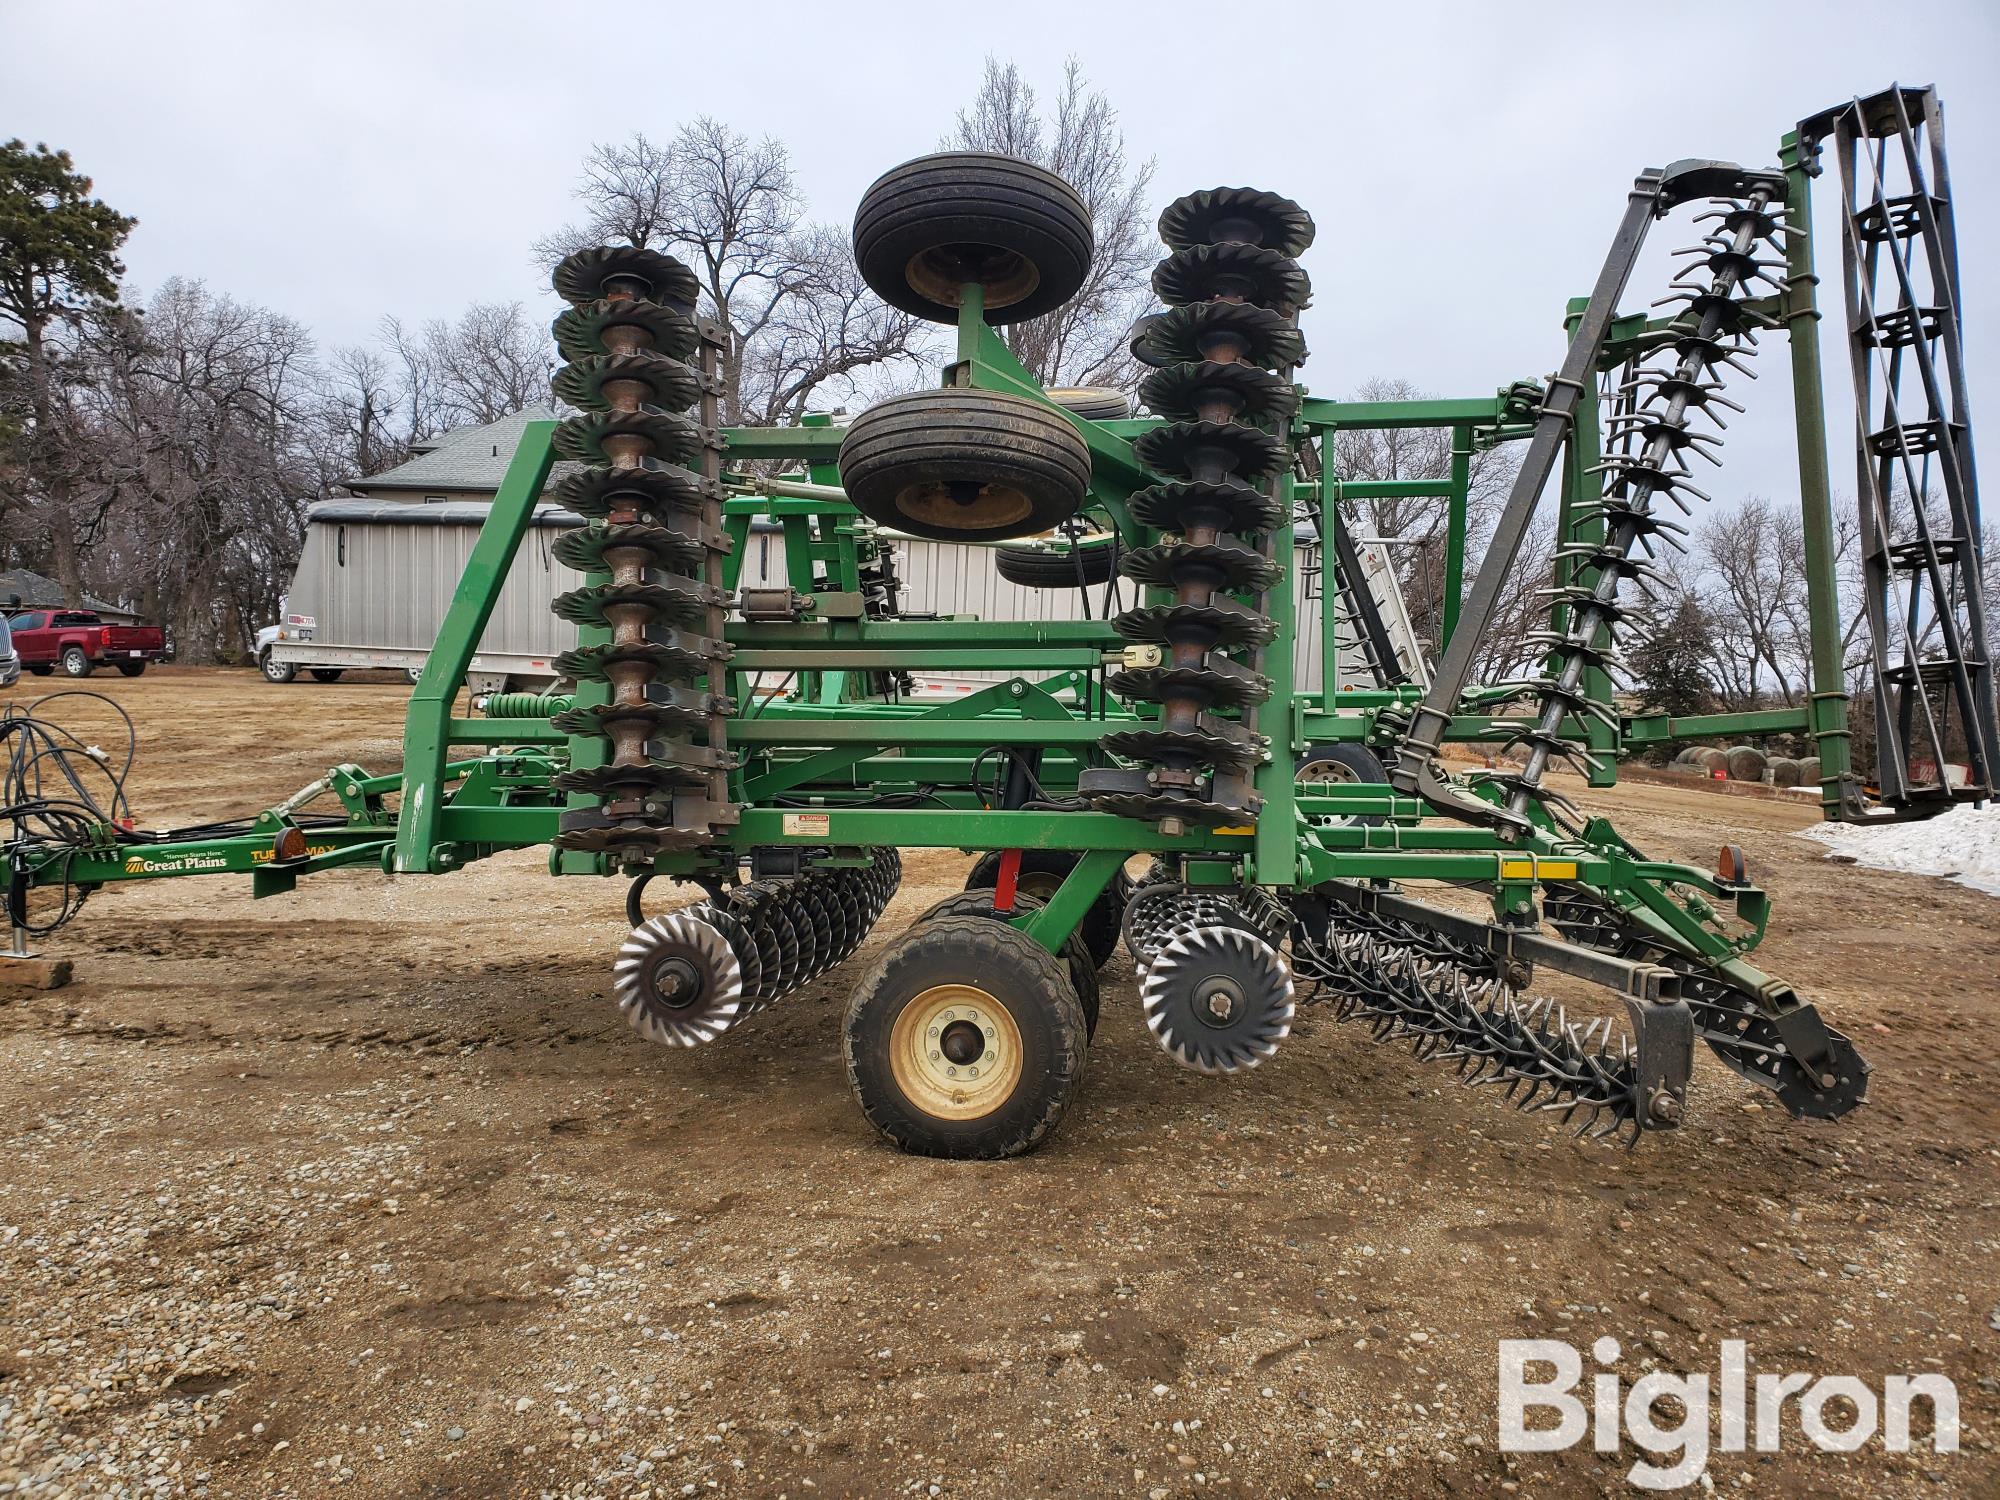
x=1004 y=277
x=955 y=1052
x=948 y=508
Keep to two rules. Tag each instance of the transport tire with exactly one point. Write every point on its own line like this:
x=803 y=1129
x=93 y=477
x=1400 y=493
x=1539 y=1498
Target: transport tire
x=275 y=670
x=929 y=226
x=325 y=674
x=414 y=675
x=1076 y=953
x=75 y=663
x=1342 y=764
x=1086 y=564
x=1042 y=871
x=959 y=465
x=965 y=1040
x=1098 y=403
x=41 y=668
x=131 y=668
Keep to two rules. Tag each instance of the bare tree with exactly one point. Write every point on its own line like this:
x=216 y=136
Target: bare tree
x=1083 y=341
x=1418 y=527
x=360 y=399
x=489 y=364
x=799 y=320
x=823 y=336
x=1755 y=556
x=207 y=408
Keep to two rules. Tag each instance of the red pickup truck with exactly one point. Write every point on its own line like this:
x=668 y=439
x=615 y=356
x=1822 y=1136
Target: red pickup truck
x=78 y=642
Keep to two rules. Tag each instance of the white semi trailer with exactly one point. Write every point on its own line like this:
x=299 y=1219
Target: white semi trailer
x=376 y=577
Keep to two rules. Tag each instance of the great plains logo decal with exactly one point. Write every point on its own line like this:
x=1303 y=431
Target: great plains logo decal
x=178 y=864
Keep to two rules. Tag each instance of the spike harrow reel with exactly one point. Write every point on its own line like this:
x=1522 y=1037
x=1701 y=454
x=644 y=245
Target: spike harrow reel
x=1454 y=1003
x=1650 y=432
x=1769 y=1038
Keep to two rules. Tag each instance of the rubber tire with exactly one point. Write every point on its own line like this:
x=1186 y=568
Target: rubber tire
x=1099 y=927
x=1039 y=568
x=131 y=668
x=274 y=670
x=1096 y=403
x=325 y=674
x=958 y=435
x=414 y=675
x=1362 y=763
x=1019 y=974
x=924 y=208
x=1082 y=966
x=74 y=663
x=41 y=668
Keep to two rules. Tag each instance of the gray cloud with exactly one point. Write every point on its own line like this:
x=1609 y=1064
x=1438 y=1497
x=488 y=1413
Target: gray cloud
x=1466 y=165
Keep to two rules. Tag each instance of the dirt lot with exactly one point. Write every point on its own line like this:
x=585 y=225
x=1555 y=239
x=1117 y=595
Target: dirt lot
x=370 y=1187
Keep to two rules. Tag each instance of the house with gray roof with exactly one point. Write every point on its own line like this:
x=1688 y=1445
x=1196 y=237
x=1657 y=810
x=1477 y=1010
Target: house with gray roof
x=466 y=463
x=22 y=589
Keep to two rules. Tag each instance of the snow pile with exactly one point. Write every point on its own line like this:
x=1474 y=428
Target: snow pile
x=1962 y=845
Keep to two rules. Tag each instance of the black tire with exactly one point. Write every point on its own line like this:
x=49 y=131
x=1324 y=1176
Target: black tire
x=325 y=674
x=1085 y=565
x=41 y=668
x=131 y=668
x=75 y=663
x=1042 y=870
x=275 y=670
x=929 y=226
x=1076 y=953
x=1347 y=763
x=960 y=465
x=1099 y=403
x=415 y=675
x=1041 y=1063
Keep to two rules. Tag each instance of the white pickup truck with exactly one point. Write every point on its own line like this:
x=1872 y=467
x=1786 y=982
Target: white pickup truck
x=294 y=634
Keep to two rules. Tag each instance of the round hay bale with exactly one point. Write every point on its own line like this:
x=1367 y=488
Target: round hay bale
x=1784 y=771
x=1711 y=760
x=1687 y=755
x=1745 y=762
x=1809 y=771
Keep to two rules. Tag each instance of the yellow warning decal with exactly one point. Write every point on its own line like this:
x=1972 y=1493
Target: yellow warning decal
x=1532 y=869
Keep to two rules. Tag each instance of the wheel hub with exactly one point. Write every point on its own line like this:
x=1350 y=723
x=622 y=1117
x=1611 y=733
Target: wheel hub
x=1219 y=1001
x=677 y=982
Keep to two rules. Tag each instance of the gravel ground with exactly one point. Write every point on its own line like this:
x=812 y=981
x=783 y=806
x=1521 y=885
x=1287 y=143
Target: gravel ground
x=369 y=1188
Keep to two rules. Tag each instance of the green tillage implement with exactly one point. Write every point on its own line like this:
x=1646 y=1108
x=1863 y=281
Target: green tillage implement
x=839 y=768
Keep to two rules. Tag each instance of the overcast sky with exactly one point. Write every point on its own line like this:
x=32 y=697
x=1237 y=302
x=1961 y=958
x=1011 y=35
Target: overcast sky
x=1466 y=164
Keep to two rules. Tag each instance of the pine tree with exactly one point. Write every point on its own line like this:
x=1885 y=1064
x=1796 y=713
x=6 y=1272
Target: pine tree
x=58 y=261
x=1671 y=666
